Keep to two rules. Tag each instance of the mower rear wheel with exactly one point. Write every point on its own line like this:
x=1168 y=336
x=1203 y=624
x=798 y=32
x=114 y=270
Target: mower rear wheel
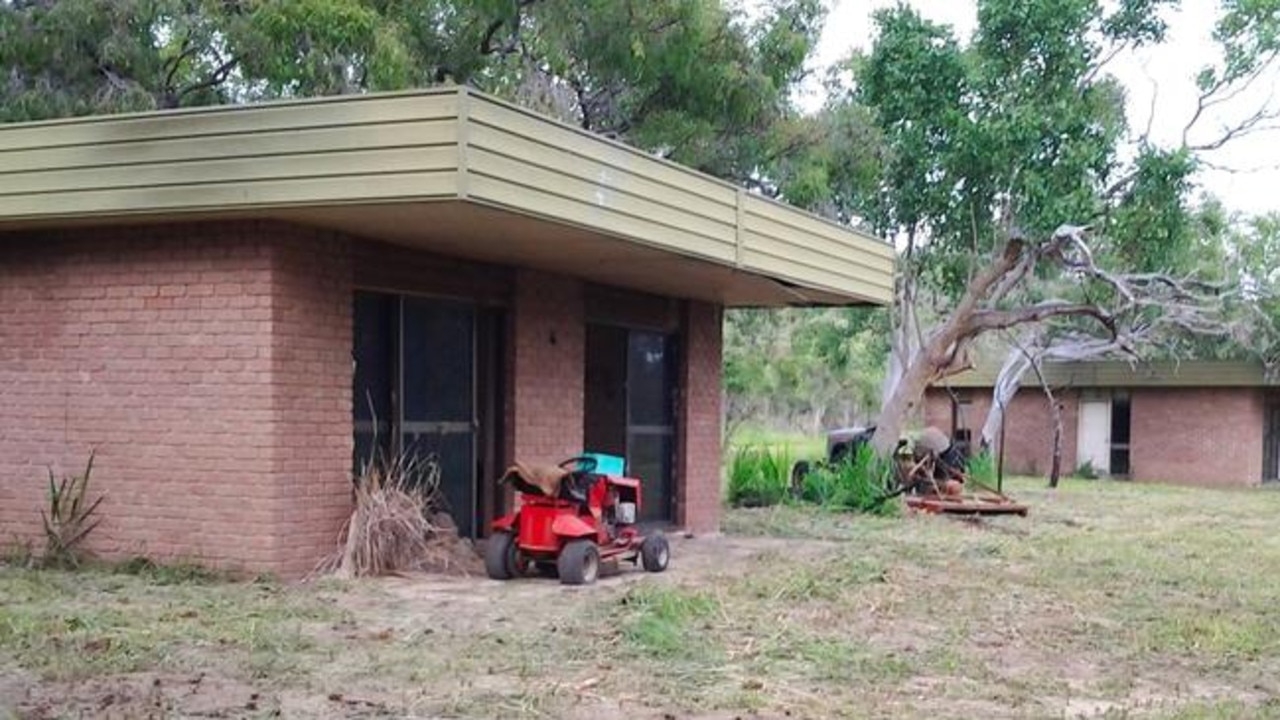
x=579 y=562
x=655 y=553
x=502 y=556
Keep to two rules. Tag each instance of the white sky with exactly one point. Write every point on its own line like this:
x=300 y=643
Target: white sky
x=1253 y=187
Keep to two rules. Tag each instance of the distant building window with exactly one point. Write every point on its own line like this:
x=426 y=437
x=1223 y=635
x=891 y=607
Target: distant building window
x=961 y=428
x=1120 y=422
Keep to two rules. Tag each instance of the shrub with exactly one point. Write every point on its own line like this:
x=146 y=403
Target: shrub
x=982 y=467
x=759 y=476
x=1086 y=471
x=69 y=518
x=855 y=483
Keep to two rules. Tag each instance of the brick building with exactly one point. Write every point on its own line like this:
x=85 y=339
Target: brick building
x=231 y=306
x=1198 y=423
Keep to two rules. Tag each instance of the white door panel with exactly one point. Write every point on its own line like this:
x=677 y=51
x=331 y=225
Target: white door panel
x=1093 y=436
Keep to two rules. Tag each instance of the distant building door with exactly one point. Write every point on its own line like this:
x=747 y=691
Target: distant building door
x=1271 y=442
x=1093 y=436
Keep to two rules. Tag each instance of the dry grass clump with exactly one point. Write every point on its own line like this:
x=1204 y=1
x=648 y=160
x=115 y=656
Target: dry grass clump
x=391 y=528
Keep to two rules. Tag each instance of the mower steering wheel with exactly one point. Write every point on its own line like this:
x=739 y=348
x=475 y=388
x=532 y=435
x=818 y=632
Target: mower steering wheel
x=583 y=463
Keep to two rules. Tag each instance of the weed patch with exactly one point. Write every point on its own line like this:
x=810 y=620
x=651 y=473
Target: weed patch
x=759 y=476
x=75 y=625
x=665 y=622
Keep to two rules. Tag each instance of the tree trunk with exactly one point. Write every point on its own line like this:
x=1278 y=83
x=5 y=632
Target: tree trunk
x=1055 y=412
x=1002 y=392
x=1055 y=468
x=819 y=413
x=905 y=398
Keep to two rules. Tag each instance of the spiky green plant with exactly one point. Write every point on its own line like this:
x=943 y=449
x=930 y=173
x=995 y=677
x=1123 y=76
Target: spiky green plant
x=759 y=476
x=855 y=483
x=982 y=467
x=69 y=517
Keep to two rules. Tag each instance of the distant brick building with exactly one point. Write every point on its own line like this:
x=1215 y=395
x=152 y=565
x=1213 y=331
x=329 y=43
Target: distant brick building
x=232 y=306
x=1199 y=423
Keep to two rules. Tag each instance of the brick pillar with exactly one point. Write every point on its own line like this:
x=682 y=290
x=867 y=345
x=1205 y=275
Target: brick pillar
x=698 y=426
x=547 y=356
x=312 y=338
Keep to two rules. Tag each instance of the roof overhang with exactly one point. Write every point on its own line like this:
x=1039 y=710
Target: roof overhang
x=450 y=171
x=1119 y=374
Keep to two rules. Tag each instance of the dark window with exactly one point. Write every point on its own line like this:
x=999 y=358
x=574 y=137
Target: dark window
x=414 y=392
x=649 y=384
x=438 y=364
x=631 y=383
x=1271 y=442
x=651 y=418
x=1120 y=415
x=377 y=327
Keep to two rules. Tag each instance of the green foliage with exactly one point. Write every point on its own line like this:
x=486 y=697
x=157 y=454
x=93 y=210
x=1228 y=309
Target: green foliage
x=759 y=476
x=1151 y=229
x=1086 y=471
x=857 y=483
x=659 y=621
x=804 y=369
x=69 y=518
x=692 y=80
x=982 y=467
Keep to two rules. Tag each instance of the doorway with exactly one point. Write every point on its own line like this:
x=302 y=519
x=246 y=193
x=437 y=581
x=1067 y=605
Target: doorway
x=424 y=390
x=630 y=408
x=1118 y=465
x=1093 y=436
x=1103 y=434
x=1271 y=442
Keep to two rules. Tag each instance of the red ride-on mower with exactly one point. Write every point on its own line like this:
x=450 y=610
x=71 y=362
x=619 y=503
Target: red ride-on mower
x=571 y=518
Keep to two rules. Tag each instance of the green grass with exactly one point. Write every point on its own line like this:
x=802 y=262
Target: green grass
x=1111 y=599
x=76 y=625
x=798 y=445
x=663 y=623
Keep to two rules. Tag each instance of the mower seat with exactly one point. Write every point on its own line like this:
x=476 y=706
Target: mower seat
x=576 y=486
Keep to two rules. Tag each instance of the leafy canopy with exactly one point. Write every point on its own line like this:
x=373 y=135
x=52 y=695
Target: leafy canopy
x=693 y=80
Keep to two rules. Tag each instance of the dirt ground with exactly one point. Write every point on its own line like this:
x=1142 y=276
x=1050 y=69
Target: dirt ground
x=1109 y=601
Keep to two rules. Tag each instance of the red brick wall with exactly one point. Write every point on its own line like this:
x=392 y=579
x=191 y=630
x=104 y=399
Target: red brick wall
x=699 y=458
x=1028 y=429
x=210 y=367
x=1201 y=436
x=161 y=347
x=547 y=351
x=311 y=393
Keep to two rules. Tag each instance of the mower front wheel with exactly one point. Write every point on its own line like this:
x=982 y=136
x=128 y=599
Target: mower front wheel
x=579 y=562
x=502 y=556
x=655 y=553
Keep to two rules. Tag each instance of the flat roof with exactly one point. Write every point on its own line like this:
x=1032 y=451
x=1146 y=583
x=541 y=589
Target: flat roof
x=1120 y=374
x=449 y=170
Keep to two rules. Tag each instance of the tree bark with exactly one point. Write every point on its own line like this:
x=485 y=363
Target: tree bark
x=1055 y=412
x=904 y=399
